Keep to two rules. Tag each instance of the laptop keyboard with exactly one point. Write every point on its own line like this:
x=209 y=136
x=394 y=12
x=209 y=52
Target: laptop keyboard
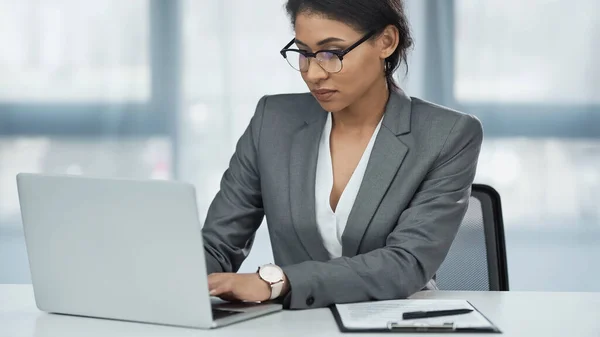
x=221 y=313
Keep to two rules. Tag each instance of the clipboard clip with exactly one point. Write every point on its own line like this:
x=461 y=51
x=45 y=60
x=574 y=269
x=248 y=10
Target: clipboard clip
x=420 y=327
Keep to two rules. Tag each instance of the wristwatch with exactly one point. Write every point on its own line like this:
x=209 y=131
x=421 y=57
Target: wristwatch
x=273 y=275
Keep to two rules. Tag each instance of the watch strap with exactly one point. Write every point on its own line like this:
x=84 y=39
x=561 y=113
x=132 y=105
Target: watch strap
x=276 y=289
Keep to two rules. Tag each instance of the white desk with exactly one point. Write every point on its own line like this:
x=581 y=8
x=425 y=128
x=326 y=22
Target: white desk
x=515 y=313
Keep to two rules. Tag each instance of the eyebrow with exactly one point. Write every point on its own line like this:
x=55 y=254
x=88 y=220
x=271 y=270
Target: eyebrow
x=322 y=42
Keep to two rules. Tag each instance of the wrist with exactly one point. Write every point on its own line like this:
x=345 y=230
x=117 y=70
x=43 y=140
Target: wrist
x=274 y=278
x=265 y=288
x=286 y=286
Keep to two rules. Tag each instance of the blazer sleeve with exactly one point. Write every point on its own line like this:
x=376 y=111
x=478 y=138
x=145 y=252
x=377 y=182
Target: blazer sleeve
x=236 y=212
x=417 y=246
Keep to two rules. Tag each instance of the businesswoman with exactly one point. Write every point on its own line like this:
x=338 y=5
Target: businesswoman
x=363 y=187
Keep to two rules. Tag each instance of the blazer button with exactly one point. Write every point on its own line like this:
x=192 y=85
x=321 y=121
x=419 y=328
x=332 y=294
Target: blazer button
x=310 y=301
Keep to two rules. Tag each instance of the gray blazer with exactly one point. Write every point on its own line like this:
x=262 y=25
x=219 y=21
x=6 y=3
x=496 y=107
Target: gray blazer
x=412 y=199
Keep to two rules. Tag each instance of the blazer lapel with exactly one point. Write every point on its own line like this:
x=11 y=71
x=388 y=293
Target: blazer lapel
x=386 y=158
x=303 y=164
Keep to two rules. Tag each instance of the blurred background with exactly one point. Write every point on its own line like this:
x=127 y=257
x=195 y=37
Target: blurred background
x=162 y=89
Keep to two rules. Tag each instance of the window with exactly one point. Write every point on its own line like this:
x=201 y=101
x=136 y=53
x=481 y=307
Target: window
x=531 y=72
x=68 y=51
x=85 y=88
x=528 y=69
x=508 y=52
x=87 y=69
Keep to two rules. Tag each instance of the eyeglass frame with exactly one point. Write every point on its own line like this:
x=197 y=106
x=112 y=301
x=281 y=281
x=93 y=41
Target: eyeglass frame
x=339 y=53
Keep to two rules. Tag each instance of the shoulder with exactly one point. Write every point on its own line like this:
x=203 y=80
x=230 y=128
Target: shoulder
x=433 y=119
x=286 y=100
x=287 y=103
x=288 y=110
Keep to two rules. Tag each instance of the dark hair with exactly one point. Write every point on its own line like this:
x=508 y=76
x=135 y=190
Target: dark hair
x=364 y=16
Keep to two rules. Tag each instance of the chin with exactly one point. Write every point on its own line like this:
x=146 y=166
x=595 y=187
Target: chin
x=331 y=106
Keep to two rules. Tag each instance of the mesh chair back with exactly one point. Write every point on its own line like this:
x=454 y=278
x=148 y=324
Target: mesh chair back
x=477 y=258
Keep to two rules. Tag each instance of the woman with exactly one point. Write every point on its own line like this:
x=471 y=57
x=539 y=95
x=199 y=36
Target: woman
x=363 y=187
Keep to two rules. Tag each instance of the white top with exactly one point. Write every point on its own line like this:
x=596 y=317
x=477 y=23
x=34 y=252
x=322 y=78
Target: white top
x=331 y=224
x=517 y=314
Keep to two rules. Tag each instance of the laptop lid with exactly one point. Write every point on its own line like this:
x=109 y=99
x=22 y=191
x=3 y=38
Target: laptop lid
x=115 y=248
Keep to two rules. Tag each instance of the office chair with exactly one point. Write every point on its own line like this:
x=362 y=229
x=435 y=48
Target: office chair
x=477 y=258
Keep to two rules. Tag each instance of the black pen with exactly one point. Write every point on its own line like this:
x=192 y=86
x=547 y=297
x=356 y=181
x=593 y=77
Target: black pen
x=436 y=313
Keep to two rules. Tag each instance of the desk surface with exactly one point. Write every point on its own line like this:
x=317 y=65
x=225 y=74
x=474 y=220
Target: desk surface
x=515 y=313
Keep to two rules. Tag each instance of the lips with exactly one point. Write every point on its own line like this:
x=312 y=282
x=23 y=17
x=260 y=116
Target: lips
x=324 y=95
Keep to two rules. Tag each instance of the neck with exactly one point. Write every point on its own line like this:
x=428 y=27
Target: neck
x=366 y=111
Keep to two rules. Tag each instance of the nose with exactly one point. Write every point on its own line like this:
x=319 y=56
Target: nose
x=315 y=72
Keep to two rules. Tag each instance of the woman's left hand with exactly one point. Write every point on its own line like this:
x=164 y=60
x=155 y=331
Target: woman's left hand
x=238 y=287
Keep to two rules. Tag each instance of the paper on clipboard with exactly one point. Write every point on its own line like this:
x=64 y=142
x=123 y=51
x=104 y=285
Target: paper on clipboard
x=382 y=314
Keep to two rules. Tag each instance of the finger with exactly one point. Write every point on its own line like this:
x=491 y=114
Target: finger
x=222 y=284
x=215 y=279
x=229 y=297
x=220 y=289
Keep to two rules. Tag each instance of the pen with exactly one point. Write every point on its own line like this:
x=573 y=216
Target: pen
x=436 y=313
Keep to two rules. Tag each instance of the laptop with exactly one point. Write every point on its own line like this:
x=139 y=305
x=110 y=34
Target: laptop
x=121 y=249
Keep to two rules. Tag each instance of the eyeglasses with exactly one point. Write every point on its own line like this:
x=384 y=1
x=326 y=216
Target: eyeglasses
x=329 y=60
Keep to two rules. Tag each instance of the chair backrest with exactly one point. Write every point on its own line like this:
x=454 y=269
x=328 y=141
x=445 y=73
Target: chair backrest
x=477 y=258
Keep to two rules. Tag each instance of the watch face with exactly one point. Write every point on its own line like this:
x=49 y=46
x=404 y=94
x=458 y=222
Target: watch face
x=270 y=273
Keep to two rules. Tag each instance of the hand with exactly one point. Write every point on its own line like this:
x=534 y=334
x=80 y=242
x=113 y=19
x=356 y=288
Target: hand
x=238 y=287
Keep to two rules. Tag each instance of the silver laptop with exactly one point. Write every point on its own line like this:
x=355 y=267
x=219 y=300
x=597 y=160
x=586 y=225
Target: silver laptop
x=121 y=249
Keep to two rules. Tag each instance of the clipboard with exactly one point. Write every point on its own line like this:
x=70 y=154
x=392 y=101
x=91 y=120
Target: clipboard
x=412 y=326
